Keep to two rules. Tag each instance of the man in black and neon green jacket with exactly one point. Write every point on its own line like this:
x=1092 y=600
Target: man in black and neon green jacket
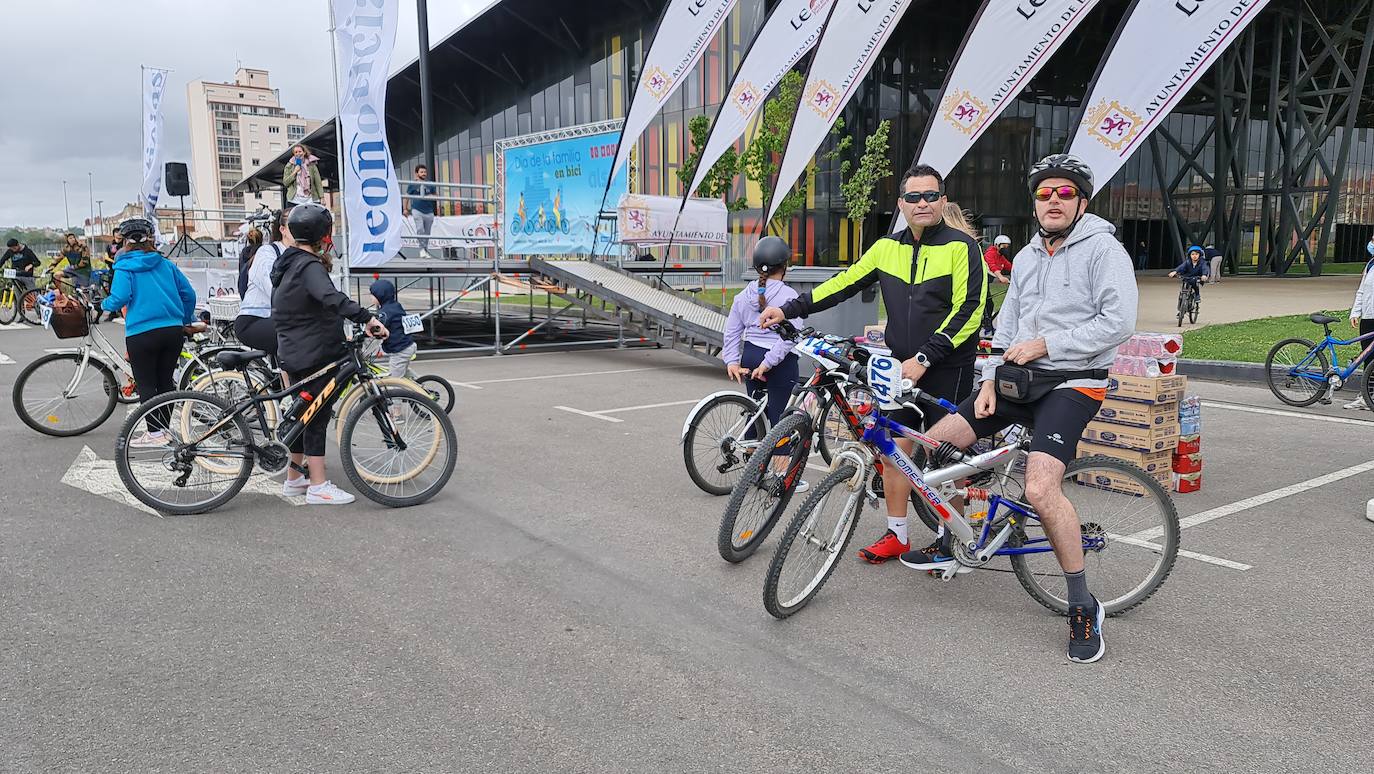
x=934 y=285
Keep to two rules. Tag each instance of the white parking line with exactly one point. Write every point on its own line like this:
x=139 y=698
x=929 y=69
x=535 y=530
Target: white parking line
x=6 y=359
x=1260 y=499
x=1131 y=541
x=1282 y=413
x=602 y=413
x=476 y=385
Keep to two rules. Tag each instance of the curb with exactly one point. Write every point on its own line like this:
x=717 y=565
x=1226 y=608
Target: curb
x=1222 y=371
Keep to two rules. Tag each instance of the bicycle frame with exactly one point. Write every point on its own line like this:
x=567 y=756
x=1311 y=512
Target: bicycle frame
x=1329 y=342
x=981 y=545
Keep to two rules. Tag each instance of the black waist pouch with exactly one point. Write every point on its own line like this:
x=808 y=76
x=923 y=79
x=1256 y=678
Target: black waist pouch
x=1023 y=384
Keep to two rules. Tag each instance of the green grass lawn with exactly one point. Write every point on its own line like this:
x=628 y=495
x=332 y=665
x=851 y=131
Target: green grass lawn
x=1250 y=341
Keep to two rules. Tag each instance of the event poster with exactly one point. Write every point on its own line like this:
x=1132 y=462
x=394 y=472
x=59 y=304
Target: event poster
x=553 y=192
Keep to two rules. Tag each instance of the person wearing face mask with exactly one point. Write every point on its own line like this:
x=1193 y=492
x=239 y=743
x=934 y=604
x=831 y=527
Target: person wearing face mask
x=934 y=286
x=1362 y=310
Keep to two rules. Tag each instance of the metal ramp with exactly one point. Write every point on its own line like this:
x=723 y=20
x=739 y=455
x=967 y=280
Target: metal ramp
x=672 y=318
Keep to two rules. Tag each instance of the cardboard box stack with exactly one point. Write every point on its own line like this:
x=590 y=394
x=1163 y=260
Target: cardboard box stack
x=1187 y=458
x=1139 y=420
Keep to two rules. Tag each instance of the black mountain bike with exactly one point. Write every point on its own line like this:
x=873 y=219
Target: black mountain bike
x=1189 y=300
x=398 y=447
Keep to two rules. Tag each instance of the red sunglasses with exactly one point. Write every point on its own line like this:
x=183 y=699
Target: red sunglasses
x=1067 y=193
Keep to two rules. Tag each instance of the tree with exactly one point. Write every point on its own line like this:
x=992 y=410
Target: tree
x=758 y=163
x=857 y=184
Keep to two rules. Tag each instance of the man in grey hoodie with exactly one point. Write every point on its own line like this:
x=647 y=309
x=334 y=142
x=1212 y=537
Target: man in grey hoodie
x=1072 y=301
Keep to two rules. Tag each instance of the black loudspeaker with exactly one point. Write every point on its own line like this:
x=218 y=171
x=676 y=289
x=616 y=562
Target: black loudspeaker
x=178 y=182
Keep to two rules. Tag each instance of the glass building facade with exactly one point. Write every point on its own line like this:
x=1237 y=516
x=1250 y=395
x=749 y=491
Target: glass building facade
x=480 y=100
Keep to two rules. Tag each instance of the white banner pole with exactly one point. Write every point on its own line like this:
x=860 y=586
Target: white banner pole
x=338 y=150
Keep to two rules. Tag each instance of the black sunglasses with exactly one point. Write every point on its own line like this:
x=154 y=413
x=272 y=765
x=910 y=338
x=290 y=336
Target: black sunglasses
x=911 y=197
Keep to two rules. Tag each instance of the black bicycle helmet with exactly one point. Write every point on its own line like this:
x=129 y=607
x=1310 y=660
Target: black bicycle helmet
x=1065 y=165
x=771 y=254
x=309 y=223
x=136 y=229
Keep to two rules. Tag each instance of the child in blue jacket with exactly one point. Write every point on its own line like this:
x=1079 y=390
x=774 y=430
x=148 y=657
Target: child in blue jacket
x=161 y=304
x=400 y=346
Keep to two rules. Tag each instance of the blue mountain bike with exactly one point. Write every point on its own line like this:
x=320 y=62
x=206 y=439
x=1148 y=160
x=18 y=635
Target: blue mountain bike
x=1301 y=373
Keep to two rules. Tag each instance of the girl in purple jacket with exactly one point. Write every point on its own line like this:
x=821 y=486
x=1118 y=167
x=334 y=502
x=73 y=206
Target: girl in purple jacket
x=760 y=358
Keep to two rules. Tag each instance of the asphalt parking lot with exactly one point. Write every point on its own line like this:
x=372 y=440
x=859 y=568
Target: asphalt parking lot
x=561 y=607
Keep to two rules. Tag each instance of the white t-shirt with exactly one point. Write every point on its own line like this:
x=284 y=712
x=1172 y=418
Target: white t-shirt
x=257 y=300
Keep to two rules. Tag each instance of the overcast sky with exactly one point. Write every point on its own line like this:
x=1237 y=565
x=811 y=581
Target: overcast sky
x=69 y=84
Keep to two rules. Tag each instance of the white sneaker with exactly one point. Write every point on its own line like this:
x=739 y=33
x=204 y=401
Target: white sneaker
x=1357 y=404
x=802 y=486
x=150 y=440
x=295 y=488
x=327 y=494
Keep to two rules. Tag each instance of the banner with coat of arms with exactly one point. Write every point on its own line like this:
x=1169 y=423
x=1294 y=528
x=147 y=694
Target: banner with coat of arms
x=684 y=31
x=854 y=35
x=1161 y=51
x=1008 y=44
x=791 y=30
x=644 y=220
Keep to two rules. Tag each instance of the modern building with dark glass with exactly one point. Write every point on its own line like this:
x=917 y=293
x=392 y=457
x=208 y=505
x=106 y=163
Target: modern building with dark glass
x=1271 y=157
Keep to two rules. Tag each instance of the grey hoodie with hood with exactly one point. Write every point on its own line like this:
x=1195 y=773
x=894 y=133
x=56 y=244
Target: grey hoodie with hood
x=1081 y=300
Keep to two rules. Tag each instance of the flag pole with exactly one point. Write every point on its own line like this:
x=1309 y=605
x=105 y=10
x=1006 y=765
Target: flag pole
x=338 y=146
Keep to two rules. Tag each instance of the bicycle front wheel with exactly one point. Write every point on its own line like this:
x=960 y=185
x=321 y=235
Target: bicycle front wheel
x=814 y=542
x=57 y=395
x=399 y=448
x=204 y=459
x=9 y=305
x=715 y=449
x=765 y=488
x=1193 y=309
x=1130 y=537
x=1296 y=372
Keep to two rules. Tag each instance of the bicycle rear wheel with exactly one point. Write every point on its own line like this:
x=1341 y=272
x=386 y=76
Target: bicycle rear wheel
x=1296 y=371
x=399 y=448
x=29 y=311
x=815 y=540
x=714 y=449
x=1130 y=537
x=438 y=390
x=762 y=493
x=56 y=395
x=206 y=459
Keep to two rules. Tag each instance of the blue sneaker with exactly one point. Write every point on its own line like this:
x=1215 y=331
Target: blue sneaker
x=1085 y=633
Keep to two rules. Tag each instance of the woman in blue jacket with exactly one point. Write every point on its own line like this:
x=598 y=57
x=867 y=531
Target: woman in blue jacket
x=161 y=304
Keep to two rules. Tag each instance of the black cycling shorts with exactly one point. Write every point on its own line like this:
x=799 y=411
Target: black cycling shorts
x=1058 y=420
x=952 y=384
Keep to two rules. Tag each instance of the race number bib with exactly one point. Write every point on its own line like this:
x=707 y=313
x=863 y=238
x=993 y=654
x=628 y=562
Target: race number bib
x=45 y=314
x=11 y=274
x=411 y=323
x=884 y=378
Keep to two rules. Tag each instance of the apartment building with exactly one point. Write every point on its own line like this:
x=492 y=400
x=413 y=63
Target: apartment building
x=235 y=128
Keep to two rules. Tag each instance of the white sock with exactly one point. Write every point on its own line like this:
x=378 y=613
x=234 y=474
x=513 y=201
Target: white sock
x=898 y=526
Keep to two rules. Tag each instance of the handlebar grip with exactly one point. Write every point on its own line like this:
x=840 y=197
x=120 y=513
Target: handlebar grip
x=946 y=405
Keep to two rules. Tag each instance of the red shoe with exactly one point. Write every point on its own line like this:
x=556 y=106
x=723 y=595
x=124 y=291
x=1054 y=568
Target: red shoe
x=888 y=547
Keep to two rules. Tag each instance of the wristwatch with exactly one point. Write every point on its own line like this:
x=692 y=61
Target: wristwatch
x=922 y=360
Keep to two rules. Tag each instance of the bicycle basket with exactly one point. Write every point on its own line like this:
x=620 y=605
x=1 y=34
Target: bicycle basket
x=223 y=307
x=69 y=320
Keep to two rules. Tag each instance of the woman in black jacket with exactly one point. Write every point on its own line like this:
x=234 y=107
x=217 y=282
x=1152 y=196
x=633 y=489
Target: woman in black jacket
x=308 y=313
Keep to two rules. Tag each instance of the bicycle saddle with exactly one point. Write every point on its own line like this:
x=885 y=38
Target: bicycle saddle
x=1322 y=319
x=237 y=359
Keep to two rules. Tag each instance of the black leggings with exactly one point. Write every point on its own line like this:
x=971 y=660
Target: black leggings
x=778 y=383
x=153 y=356
x=257 y=332
x=311 y=441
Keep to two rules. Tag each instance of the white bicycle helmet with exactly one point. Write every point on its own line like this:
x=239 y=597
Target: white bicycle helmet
x=1002 y=239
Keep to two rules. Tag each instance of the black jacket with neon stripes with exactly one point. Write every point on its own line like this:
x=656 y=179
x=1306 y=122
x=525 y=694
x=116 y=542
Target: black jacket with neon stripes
x=935 y=292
